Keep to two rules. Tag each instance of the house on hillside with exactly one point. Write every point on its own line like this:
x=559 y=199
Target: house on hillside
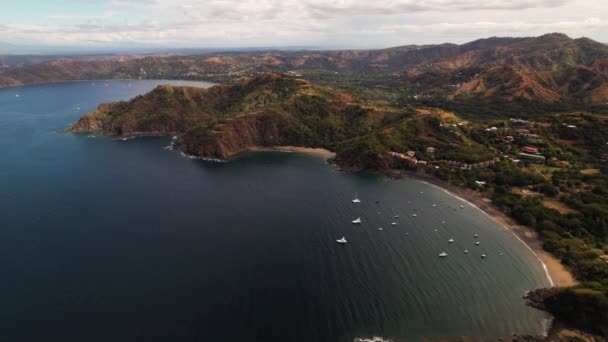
x=430 y=149
x=518 y=122
x=530 y=149
x=411 y=153
x=533 y=157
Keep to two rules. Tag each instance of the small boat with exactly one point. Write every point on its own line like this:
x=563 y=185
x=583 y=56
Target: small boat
x=380 y=228
x=443 y=254
x=451 y=240
x=462 y=207
x=442 y=222
x=396 y=216
x=483 y=256
x=434 y=205
x=394 y=223
x=357 y=220
x=414 y=215
x=466 y=251
x=500 y=254
x=476 y=236
x=477 y=243
x=421 y=192
x=436 y=229
x=356 y=200
x=406 y=233
x=342 y=240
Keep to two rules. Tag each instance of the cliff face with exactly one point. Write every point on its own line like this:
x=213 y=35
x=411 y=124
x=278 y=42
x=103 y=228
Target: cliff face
x=236 y=134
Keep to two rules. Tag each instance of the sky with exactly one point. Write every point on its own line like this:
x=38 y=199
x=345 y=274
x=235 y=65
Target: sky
x=290 y=23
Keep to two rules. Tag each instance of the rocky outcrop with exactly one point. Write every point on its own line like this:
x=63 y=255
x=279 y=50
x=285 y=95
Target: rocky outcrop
x=537 y=298
x=8 y=82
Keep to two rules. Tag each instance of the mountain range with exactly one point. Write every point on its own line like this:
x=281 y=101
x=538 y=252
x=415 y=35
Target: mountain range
x=551 y=68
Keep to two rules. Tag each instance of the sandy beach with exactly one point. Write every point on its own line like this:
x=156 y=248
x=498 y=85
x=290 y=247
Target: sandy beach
x=557 y=273
x=317 y=152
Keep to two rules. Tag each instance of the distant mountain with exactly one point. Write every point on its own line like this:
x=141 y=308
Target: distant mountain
x=549 y=68
x=552 y=68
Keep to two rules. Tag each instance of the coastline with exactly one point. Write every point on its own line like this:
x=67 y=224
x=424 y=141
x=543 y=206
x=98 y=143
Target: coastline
x=317 y=152
x=557 y=273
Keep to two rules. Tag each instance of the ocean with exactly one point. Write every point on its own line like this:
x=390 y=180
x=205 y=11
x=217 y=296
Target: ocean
x=111 y=240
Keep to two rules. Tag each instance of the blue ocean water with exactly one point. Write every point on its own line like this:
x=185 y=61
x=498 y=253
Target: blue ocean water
x=106 y=240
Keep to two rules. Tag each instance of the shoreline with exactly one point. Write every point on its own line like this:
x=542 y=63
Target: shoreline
x=317 y=152
x=556 y=272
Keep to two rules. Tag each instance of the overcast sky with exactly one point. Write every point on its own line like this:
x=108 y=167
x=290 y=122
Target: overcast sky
x=276 y=23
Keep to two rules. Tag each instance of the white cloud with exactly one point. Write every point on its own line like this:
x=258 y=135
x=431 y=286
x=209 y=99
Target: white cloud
x=359 y=23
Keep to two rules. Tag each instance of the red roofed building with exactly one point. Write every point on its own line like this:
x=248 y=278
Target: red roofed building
x=411 y=153
x=530 y=149
x=430 y=149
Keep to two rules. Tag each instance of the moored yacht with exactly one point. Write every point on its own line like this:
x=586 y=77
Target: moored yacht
x=342 y=240
x=357 y=220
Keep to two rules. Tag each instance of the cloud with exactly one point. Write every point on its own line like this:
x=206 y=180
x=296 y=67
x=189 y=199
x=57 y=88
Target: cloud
x=512 y=27
x=323 y=8
x=360 y=23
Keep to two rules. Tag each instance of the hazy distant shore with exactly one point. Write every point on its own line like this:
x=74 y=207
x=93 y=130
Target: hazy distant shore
x=101 y=80
x=557 y=273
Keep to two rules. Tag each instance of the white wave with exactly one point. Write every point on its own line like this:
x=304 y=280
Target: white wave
x=214 y=160
x=371 y=339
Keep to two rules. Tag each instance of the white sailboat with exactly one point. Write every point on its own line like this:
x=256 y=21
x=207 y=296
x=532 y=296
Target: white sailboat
x=342 y=240
x=451 y=240
x=357 y=220
x=394 y=223
x=356 y=199
x=477 y=243
x=443 y=254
